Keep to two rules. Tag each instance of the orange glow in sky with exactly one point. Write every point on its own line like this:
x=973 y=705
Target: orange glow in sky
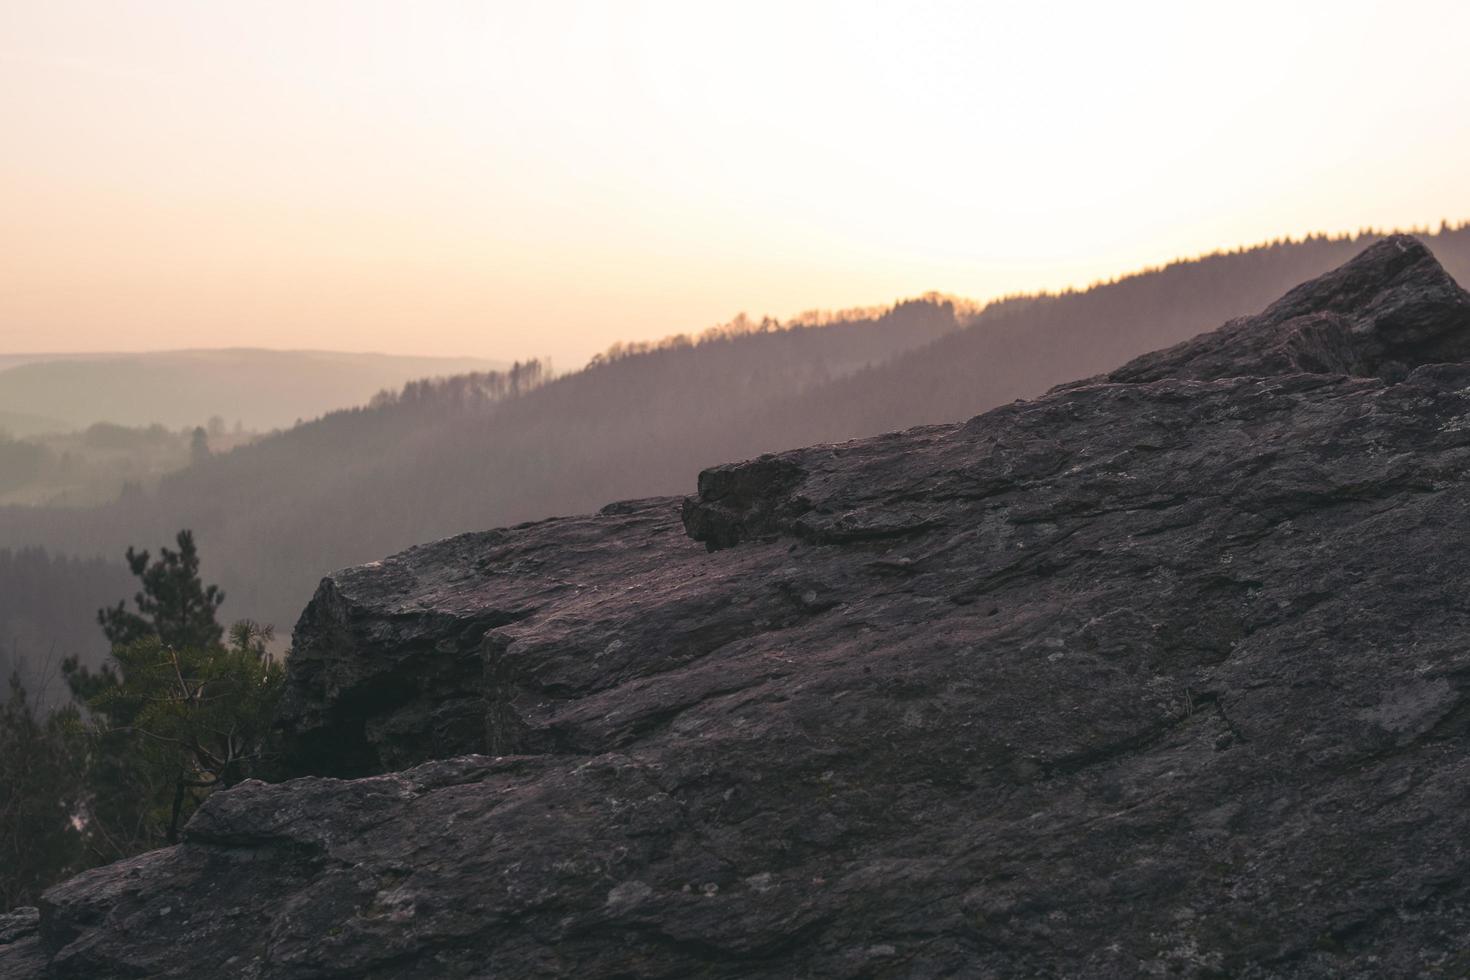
x=511 y=179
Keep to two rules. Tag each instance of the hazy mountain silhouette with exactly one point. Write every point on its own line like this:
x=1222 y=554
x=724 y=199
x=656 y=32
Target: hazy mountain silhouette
x=263 y=389
x=274 y=516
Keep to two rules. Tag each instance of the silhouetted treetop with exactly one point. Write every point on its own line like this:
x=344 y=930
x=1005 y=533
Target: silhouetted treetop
x=174 y=606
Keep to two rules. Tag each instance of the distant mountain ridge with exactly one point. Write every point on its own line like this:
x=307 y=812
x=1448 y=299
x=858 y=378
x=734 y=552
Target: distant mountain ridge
x=262 y=389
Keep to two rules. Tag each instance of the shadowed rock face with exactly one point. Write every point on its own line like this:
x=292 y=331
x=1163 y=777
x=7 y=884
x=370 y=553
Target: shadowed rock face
x=1161 y=674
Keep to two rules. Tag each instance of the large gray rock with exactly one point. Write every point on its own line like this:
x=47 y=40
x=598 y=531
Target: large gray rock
x=1159 y=675
x=21 y=954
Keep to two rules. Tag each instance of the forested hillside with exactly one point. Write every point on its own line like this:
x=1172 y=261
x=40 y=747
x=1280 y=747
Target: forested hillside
x=474 y=451
x=48 y=611
x=499 y=448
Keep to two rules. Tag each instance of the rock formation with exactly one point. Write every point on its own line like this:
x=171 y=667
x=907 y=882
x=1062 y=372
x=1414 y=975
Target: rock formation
x=1165 y=673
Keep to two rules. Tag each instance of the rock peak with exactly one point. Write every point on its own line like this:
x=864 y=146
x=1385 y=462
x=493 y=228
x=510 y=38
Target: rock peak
x=1390 y=309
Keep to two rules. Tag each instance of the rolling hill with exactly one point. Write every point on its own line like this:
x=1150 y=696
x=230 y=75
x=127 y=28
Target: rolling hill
x=21 y=424
x=260 y=389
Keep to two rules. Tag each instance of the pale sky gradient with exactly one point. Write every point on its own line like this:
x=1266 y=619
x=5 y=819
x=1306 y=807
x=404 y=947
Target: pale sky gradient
x=509 y=179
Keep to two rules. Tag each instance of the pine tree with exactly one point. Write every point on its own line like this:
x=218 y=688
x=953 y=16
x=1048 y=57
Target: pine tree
x=174 y=605
x=181 y=722
x=176 y=713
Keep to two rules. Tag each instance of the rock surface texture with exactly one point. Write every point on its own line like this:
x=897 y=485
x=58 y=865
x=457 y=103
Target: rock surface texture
x=1166 y=673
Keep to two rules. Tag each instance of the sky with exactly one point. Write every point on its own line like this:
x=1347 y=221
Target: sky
x=517 y=179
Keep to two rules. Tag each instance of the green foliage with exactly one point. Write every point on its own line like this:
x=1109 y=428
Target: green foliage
x=177 y=713
x=174 y=607
x=42 y=794
x=173 y=724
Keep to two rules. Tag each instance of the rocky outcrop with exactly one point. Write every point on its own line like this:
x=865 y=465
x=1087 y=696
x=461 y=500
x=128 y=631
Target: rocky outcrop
x=1388 y=309
x=1162 y=674
x=21 y=954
